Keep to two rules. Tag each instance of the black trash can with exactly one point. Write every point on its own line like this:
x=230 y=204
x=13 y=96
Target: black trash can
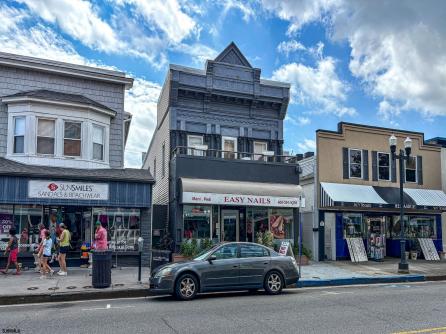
x=160 y=257
x=101 y=273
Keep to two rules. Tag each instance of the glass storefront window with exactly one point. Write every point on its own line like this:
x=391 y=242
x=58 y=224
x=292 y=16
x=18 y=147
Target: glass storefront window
x=197 y=220
x=6 y=223
x=123 y=227
x=352 y=225
x=27 y=219
x=256 y=221
x=281 y=223
x=215 y=224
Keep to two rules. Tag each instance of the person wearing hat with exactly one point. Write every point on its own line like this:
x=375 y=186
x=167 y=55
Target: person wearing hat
x=100 y=237
x=64 y=247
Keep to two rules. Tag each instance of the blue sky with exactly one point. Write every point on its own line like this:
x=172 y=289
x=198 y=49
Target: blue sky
x=375 y=62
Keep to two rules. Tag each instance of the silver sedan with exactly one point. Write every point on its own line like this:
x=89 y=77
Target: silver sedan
x=228 y=266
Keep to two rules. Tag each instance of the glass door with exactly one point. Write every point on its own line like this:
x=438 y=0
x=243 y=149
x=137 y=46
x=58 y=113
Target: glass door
x=376 y=244
x=230 y=225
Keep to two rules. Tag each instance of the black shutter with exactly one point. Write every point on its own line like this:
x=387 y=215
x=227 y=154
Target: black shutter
x=374 y=166
x=420 y=169
x=345 y=162
x=365 y=164
x=392 y=169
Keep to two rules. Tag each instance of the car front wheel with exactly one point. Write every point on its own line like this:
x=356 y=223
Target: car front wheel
x=186 y=287
x=273 y=283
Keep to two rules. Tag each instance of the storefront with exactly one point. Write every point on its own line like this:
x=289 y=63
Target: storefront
x=119 y=199
x=237 y=211
x=372 y=213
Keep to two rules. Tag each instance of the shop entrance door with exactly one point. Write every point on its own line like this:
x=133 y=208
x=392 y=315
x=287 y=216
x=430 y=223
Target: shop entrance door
x=376 y=243
x=230 y=225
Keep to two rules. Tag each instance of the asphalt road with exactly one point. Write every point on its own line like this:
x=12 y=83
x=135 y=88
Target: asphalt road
x=408 y=308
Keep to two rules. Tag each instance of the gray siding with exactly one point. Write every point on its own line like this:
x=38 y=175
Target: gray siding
x=15 y=80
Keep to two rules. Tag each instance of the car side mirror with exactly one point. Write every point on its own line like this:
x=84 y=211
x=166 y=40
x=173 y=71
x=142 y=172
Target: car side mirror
x=212 y=258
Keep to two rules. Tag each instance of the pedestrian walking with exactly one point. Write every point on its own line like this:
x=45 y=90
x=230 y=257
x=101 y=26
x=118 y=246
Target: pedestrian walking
x=64 y=247
x=37 y=258
x=45 y=255
x=100 y=237
x=13 y=249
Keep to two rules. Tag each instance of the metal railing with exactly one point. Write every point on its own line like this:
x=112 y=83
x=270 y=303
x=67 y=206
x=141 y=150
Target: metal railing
x=232 y=155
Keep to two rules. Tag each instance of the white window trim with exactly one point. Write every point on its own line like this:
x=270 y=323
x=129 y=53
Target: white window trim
x=55 y=136
x=257 y=155
x=349 y=168
x=93 y=125
x=63 y=139
x=416 y=171
x=14 y=135
x=234 y=139
x=191 y=151
x=377 y=166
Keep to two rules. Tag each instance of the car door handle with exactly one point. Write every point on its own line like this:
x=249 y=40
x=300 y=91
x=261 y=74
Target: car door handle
x=265 y=262
x=234 y=266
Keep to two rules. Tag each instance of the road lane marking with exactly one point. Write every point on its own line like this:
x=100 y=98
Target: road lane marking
x=426 y=330
x=107 y=307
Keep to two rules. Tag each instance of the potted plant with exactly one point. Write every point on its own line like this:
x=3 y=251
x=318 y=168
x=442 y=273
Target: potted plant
x=306 y=255
x=188 y=249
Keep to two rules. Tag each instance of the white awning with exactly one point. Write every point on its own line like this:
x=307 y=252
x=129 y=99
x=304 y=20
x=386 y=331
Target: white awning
x=427 y=197
x=350 y=193
x=241 y=193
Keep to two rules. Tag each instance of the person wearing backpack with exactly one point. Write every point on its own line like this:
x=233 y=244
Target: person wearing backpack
x=64 y=247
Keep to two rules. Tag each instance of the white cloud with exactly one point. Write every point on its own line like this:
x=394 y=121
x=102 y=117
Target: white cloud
x=299 y=121
x=307 y=145
x=317 y=87
x=398 y=48
x=78 y=19
x=198 y=52
x=287 y=47
x=243 y=6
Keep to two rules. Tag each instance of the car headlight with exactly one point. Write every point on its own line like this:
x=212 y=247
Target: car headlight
x=166 y=272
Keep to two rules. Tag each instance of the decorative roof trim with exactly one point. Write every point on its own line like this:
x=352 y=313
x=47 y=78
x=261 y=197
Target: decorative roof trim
x=19 y=99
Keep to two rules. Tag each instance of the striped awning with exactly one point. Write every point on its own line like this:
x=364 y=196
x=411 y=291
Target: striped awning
x=363 y=196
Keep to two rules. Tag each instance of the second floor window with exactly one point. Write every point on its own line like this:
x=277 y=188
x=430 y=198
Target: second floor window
x=383 y=166
x=194 y=142
x=19 y=135
x=229 y=147
x=45 y=136
x=355 y=163
x=72 y=139
x=98 y=142
x=411 y=169
x=259 y=148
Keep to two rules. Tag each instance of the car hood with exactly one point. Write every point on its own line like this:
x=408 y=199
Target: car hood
x=173 y=266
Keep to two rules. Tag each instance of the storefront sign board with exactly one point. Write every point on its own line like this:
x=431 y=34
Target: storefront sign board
x=5 y=223
x=68 y=190
x=240 y=200
x=284 y=248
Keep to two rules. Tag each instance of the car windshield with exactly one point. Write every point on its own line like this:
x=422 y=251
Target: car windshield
x=204 y=254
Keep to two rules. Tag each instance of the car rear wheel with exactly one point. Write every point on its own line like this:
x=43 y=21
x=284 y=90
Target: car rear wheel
x=273 y=283
x=186 y=287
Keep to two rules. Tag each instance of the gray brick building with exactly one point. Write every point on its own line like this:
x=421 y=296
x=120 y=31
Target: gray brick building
x=63 y=130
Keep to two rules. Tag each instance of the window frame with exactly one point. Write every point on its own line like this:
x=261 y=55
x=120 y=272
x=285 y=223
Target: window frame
x=378 y=166
x=360 y=164
x=64 y=138
x=190 y=148
x=416 y=170
x=14 y=135
x=264 y=250
x=92 y=141
x=54 y=120
x=259 y=156
x=229 y=138
x=163 y=160
x=237 y=254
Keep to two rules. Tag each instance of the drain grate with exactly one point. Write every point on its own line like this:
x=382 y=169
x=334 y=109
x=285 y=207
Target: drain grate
x=87 y=287
x=53 y=288
x=71 y=287
x=33 y=288
x=119 y=284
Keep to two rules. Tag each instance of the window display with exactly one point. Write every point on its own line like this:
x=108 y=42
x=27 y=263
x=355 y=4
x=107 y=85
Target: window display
x=122 y=225
x=27 y=219
x=256 y=221
x=281 y=223
x=197 y=220
x=414 y=227
x=6 y=223
x=353 y=226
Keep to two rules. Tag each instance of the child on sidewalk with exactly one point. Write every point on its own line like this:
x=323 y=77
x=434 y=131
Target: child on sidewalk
x=13 y=249
x=45 y=255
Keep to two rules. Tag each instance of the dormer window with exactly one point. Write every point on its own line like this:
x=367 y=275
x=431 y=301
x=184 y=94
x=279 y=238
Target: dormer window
x=45 y=136
x=19 y=135
x=72 y=139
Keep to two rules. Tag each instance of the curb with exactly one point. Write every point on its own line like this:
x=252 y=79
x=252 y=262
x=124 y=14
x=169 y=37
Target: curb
x=77 y=296
x=367 y=280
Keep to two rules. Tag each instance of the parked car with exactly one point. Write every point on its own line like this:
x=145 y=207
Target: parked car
x=227 y=266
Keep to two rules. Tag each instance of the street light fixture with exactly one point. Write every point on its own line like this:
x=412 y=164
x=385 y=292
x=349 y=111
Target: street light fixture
x=403 y=155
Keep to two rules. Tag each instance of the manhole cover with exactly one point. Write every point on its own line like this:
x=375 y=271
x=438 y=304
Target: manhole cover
x=54 y=288
x=316 y=277
x=119 y=284
x=71 y=287
x=87 y=287
x=33 y=288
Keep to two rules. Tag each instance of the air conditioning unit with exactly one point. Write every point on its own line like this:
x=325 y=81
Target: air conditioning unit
x=200 y=147
x=268 y=153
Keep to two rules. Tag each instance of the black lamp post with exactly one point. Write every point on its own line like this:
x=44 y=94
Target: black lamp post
x=403 y=155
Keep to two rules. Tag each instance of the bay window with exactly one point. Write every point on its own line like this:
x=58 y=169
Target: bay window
x=45 y=136
x=19 y=135
x=72 y=139
x=98 y=142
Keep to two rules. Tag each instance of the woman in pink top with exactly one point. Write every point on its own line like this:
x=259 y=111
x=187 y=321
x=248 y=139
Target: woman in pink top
x=100 y=237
